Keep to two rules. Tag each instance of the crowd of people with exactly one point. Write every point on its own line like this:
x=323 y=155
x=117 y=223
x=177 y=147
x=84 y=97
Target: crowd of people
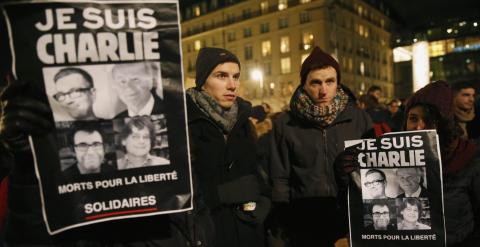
x=291 y=165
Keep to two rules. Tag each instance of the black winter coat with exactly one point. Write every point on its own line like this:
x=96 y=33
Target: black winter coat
x=218 y=159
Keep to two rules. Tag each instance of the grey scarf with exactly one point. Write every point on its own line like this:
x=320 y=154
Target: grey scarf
x=225 y=119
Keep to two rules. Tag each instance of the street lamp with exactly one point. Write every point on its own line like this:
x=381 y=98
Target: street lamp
x=257 y=75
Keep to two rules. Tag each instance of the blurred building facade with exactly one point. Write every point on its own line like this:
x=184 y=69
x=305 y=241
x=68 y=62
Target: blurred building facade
x=453 y=53
x=273 y=37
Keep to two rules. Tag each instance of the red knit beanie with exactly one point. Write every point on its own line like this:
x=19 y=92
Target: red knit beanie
x=316 y=60
x=436 y=93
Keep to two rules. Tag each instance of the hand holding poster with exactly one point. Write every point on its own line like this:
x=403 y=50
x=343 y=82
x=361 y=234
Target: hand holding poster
x=400 y=201
x=110 y=71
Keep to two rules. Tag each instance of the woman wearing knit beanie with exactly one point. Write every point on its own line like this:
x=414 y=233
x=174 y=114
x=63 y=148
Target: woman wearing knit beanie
x=306 y=141
x=461 y=169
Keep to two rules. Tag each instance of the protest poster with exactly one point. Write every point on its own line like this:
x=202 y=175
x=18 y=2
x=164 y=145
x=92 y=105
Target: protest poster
x=400 y=202
x=111 y=73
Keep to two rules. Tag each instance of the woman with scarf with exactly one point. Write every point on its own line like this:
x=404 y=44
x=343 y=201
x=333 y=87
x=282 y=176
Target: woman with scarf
x=223 y=152
x=305 y=142
x=460 y=160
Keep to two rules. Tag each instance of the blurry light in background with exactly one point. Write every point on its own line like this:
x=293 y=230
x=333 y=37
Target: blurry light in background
x=420 y=65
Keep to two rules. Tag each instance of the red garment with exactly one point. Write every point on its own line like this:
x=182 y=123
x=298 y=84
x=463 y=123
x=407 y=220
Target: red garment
x=459 y=155
x=3 y=201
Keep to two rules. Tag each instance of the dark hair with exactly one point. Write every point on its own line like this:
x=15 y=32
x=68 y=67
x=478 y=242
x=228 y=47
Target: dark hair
x=380 y=203
x=412 y=201
x=373 y=88
x=71 y=70
x=447 y=129
x=459 y=85
x=377 y=171
x=140 y=123
x=85 y=126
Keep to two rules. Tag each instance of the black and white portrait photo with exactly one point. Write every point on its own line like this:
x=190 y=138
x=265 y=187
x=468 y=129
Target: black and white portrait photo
x=86 y=147
x=380 y=215
x=139 y=88
x=413 y=214
x=141 y=142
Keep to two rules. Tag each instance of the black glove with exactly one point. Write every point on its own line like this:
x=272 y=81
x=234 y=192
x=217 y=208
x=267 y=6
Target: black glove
x=346 y=164
x=22 y=115
x=240 y=190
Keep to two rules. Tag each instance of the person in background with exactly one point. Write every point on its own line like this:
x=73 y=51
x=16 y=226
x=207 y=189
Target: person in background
x=305 y=142
x=396 y=114
x=223 y=150
x=464 y=104
x=376 y=92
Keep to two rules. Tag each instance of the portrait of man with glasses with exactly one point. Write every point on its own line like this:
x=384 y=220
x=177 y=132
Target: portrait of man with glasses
x=374 y=183
x=88 y=145
x=138 y=139
x=381 y=214
x=75 y=93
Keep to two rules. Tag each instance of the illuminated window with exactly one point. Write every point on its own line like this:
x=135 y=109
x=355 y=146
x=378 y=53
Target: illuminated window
x=285 y=44
x=196 y=10
x=307 y=40
x=360 y=29
x=282 y=4
x=197 y=45
x=266 y=48
x=360 y=10
x=305 y=1
x=366 y=33
x=437 y=48
x=285 y=65
x=264 y=7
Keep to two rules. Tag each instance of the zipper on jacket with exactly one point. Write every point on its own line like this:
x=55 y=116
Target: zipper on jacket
x=325 y=151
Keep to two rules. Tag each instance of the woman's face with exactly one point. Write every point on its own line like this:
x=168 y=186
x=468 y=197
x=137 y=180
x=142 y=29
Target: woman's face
x=410 y=213
x=416 y=119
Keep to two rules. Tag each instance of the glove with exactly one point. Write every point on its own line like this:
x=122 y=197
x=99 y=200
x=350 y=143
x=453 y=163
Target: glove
x=347 y=164
x=258 y=215
x=240 y=190
x=21 y=116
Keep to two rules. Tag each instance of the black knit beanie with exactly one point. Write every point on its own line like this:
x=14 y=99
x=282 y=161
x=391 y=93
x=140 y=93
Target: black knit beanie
x=316 y=60
x=208 y=58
